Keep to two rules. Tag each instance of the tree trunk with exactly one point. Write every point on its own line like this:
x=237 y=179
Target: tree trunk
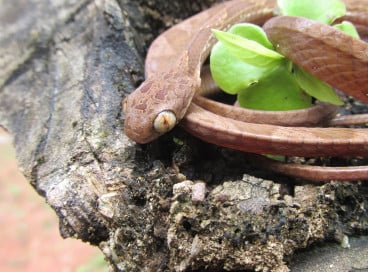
x=65 y=68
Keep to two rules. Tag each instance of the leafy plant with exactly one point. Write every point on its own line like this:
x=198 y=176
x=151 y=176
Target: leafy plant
x=245 y=63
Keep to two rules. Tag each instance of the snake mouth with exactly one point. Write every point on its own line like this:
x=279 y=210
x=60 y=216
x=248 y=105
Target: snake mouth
x=164 y=121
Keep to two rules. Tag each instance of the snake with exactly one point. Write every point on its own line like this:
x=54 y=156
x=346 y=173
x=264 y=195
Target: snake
x=172 y=91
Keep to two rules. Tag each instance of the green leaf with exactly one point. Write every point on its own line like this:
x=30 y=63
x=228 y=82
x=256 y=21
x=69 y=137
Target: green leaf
x=252 y=32
x=348 y=28
x=316 y=87
x=276 y=157
x=276 y=91
x=230 y=73
x=247 y=50
x=258 y=87
x=324 y=11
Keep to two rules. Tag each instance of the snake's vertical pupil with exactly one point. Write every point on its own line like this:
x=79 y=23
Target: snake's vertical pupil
x=164 y=121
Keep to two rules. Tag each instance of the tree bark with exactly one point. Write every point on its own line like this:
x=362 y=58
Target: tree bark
x=65 y=68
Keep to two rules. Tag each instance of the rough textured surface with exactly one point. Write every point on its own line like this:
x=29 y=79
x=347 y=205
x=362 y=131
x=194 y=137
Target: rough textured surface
x=332 y=257
x=65 y=68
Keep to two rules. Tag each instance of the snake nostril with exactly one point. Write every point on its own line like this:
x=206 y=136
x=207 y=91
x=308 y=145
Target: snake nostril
x=164 y=121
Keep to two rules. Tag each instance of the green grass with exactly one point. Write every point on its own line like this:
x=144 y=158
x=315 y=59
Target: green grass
x=96 y=264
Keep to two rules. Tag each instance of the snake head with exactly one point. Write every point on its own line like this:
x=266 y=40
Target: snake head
x=157 y=106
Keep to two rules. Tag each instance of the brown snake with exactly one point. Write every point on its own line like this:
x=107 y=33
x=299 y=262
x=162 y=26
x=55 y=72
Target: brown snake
x=173 y=67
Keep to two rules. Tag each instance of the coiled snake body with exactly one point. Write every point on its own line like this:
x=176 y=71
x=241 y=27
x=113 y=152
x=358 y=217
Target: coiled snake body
x=171 y=92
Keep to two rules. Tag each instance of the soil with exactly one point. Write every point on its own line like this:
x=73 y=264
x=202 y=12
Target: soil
x=29 y=236
x=30 y=239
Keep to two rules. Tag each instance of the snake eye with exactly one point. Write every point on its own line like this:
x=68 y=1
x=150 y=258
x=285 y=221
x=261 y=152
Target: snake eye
x=164 y=121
